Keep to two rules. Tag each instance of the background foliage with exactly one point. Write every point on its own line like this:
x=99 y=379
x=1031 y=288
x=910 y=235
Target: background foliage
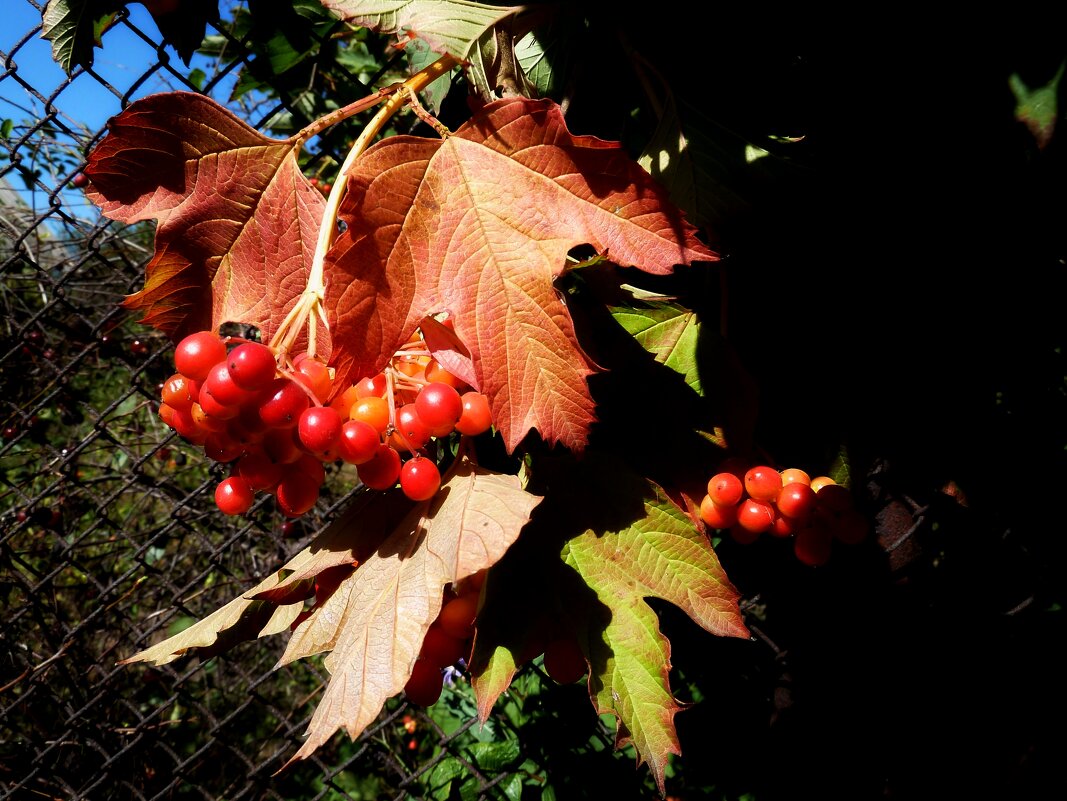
x=892 y=291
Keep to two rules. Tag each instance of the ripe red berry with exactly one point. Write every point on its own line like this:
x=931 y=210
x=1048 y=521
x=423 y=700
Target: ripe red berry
x=220 y=385
x=725 y=489
x=282 y=404
x=439 y=405
x=296 y=492
x=564 y=660
x=420 y=479
x=755 y=516
x=424 y=685
x=314 y=375
x=796 y=500
x=197 y=353
x=717 y=516
x=476 y=416
x=812 y=545
x=411 y=432
x=259 y=471
x=320 y=430
x=359 y=442
x=763 y=483
x=458 y=615
x=440 y=648
x=251 y=365
x=382 y=471
x=234 y=496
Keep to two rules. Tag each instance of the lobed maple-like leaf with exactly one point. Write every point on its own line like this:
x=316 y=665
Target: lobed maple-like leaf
x=479 y=225
x=662 y=556
x=237 y=220
x=375 y=621
x=613 y=556
x=447 y=26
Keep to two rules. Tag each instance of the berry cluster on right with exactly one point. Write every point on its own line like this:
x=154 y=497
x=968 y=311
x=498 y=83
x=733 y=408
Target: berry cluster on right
x=814 y=512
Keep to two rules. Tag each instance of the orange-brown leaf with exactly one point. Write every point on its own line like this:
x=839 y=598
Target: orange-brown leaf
x=237 y=221
x=479 y=225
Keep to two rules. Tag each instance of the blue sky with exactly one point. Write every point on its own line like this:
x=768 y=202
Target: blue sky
x=121 y=62
x=85 y=104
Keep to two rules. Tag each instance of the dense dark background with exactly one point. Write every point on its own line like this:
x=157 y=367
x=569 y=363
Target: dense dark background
x=901 y=295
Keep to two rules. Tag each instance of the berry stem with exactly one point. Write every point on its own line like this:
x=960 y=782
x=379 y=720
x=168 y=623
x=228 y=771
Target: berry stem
x=308 y=309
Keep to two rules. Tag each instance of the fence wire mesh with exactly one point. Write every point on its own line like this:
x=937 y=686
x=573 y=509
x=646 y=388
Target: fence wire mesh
x=110 y=540
x=109 y=537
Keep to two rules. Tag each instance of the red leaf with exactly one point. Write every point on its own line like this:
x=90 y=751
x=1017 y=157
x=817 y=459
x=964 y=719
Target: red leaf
x=237 y=220
x=479 y=225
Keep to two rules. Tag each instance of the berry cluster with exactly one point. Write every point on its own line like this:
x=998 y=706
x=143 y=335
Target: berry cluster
x=787 y=503
x=447 y=641
x=266 y=416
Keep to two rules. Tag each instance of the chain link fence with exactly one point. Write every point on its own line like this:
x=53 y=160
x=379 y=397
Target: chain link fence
x=109 y=537
x=110 y=540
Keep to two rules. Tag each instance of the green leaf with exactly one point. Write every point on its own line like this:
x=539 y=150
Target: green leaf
x=511 y=787
x=660 y=554
x=441 y=777
x=448 y=26
x=6 y=127
x=669 y=332
x=1037 y=108
x=420 y=55
x=547 y=55
x=494 y=757
x=75 y=27
x=602 y=541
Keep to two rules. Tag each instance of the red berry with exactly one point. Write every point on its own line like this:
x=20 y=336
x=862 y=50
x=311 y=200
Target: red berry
x=717 y=516
x=726 y=489
x=371 y=387
x=763 y=483
x=755 y=516
x=234 y=496
x=282 y=403
x=424 y=685
x=382 y=471
x=258 y=470
x=296 y=492
x=420 y=479
x=197 y=353
x=411 y=432
x=812 y=545
x=359 y=442
x=220 y=385
x=476 y=416
x=564 y=660
x=458 y=615
x=320 y=430
x=439 y=405
x=314 y=375
x=440 y=648
x=834 y=497
x=796 y=500
x=177 y=392
x=251 y=365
